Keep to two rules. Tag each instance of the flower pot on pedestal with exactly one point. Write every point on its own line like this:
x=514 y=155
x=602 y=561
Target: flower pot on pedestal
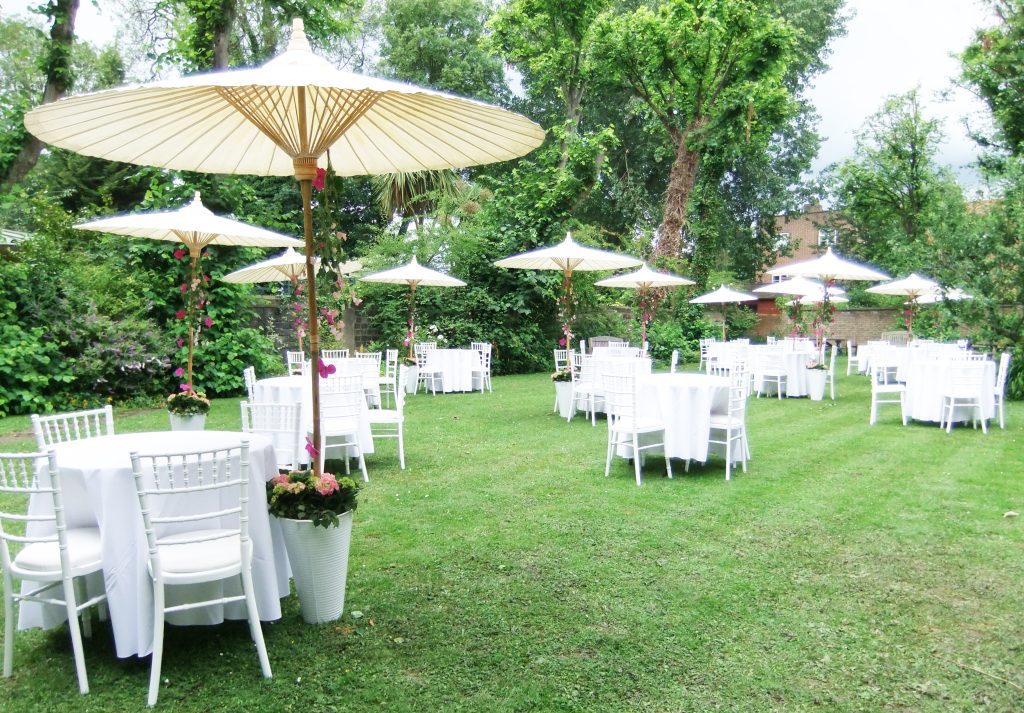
x=816 y=379
x=192 y=422
x=319 y=562
x=563 y=393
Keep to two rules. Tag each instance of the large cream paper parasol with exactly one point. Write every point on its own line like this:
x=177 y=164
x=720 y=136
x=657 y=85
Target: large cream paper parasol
x=954 y=294
x=643 y=280
x=195 y=226
x=797 y=287
x=913 y=287
x=828 y=268
x=289 y=266
x=568 y=257
x=413 y=274
x=281 y=119
x=724 y=296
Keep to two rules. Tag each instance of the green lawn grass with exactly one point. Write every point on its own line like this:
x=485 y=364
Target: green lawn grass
x=853 y=568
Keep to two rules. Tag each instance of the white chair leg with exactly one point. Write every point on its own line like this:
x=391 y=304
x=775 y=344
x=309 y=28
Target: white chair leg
x=8 y=626
x=401 y=447
x=668 y=461
x=728 y=455
x=636 y=458
x=158 y=645
x=362 y=467
x=608 y=455
x=903 y=407
x=254 y=622
x=76 y=634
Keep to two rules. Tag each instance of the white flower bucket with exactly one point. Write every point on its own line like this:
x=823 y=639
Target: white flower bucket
x=563 y=392
x=410 y=385
x=196 y=422
x=816 y=379
x=319 y=561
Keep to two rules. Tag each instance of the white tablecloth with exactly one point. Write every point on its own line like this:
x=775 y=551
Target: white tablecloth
x=298 y=389
x=99 y=491
x=925 y=383
x=456 y=367
x=794 y=363
x=684 y=403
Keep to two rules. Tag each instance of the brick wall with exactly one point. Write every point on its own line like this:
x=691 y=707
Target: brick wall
x=277 y=317
x=858 y=324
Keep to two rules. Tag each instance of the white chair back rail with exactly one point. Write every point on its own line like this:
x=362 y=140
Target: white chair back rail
x=296 y=363
x=626 y=424
x=72 y=426
x=342 y=410
x=49 y=558
x=282 y=423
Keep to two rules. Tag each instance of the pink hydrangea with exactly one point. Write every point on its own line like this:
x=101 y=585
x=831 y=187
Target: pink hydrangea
x=326 y=484
x=281 y=479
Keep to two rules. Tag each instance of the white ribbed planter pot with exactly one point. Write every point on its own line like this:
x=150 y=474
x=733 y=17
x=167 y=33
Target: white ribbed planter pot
x=187 y=423
x=563 y=393
x=816 y=379
x=414 y=375
x=319 y=561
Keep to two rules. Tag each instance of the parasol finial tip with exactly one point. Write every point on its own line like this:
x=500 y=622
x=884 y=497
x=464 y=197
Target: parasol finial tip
x=568 y=236
x=298 y=40
x=196 y=198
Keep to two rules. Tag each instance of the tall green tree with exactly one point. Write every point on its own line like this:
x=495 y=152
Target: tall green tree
x=59 y=77
x=436 y=43
x=892 y=199
x=705 y=72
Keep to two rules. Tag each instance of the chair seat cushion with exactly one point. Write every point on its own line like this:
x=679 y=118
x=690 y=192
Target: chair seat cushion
x=639 y=425
x=384 y=415
x=889 y=388
x=190 y=557
x=725 y=421
x=84 y=551
x=339 y=426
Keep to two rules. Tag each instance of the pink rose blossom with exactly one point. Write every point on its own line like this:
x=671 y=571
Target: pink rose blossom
x=184 y=288
x=208 y=321
x=320 y=180
x=181 y=342
x=179 y=371
x=180 y=314
x=179 y=254
x=185 y=387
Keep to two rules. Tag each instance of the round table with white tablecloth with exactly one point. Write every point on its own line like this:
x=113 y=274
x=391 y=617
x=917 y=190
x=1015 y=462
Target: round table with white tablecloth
x=927 y=380
x=455 y=366
x=99 y=491
x=794 y=363
x=684 y=403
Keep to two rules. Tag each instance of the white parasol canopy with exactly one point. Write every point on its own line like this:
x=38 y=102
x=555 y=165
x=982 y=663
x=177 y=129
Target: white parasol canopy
x=817 y=298
x=724 y=296
x=568 y=257
x=289 y=265
x=642 y=280
x=414 y=275
x=280 y=119
x=954 y=294
x=798 y=286
x=645 y=278
x=828 y=267
x=912 y=286
x=195 y=226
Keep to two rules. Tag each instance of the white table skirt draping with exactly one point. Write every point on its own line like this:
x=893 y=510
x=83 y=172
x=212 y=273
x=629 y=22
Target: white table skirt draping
x=925 y=383
x=456 y=367
x=684 y=403
x=793 y=362
x=297 y=389
x=99 y=491
x=603 y=367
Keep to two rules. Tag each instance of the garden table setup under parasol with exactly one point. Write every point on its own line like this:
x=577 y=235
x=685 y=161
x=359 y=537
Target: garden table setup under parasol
x=286 y=118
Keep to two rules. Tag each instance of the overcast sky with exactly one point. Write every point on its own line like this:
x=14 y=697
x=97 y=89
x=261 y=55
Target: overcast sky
x=891 y=47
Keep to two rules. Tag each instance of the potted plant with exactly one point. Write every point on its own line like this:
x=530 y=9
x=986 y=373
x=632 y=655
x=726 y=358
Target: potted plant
x=817 y=375
x=188 y=410
x=414 y=373
x=563 y=391
x=315 y=515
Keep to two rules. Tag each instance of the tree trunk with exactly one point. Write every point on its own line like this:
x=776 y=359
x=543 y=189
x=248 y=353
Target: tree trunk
x=58 y=82
x=222 y=35
x=677 y=195
x=573 y=115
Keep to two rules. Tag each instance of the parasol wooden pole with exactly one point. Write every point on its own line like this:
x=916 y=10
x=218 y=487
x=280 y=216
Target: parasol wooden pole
x=193 y=251
x=412 y=318
x=306 y=187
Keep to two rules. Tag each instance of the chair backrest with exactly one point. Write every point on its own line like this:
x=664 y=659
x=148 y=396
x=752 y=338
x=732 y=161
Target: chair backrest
x=739 y=390
x=619 y=396
x=342 y=397
x=485 y=356
x=403 y=380
x=479 y=346
x=427 y=346
x=561 y=359
x=966 y=377
x=281 y=422
x=370 y=356
x=391 y=364
x=334 y=353
x=851 y=349
x=20 y=480
x=896 y=339
x=296 y=362
x=1004 y=370
x=200 y=496
x=582 y=368
x=770 y=339
x=832 y=359
x=674 y=364
x=73 y=426
x=618 y=345
x=882 y=374
x=249 y=376
x=420 y=352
